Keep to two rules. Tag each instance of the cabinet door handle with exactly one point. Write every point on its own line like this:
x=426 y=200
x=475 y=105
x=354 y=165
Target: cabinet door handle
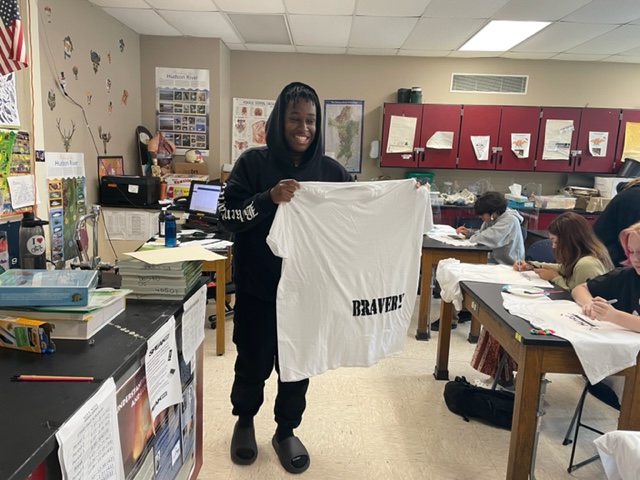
x=500 y=158
x=570 y=158
x=491 y=158
x=579 y=160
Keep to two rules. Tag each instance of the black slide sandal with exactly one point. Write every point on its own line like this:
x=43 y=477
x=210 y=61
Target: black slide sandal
x=244 y=449
x=291 y=452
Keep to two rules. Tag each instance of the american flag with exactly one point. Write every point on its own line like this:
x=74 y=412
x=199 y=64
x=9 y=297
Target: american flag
x=13 y=51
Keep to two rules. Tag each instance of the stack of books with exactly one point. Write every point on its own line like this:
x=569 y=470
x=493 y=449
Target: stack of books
x=166 y=281
x=77 y=323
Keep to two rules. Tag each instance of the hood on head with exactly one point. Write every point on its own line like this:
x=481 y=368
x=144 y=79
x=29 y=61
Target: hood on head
x=275 y=127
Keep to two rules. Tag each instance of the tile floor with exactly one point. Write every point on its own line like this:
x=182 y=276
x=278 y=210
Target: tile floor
x=390 y=422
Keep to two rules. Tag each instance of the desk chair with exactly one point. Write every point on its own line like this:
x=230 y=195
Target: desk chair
x=541 y=251
x=605 y=394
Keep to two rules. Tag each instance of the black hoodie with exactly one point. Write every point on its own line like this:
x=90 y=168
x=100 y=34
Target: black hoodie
x=245 y=207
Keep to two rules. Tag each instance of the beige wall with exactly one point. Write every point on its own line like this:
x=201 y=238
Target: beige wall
x=376 y=80
x=197 y=53
x=90 y=29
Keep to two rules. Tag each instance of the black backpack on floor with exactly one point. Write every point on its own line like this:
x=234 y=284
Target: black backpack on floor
x=468 y=401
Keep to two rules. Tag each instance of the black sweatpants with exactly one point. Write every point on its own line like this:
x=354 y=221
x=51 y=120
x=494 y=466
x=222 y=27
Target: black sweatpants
x=255 y=336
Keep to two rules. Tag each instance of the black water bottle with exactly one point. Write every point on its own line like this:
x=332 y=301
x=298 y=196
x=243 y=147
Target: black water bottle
x=33 y=247
x=161 y=222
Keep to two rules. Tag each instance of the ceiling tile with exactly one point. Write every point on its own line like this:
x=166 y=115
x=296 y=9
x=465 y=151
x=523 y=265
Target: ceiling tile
x=600 y=11
x=324 y=7
x=261 y=29
x=395 y=8
x=372 y=51
x=470 y=54
x=121 y=3
x=613 y=42
x=622 y=59
x=463 y=8
x=423 y=53
x=527 y=55
x=271 y=48
x=320 y=30
x=442 y=33
x=561 y=36
x=251 y=6
x=205 y=24
x=574 y=57
x=144 y=22
x=184 y=5
x=633 y=52
x=322 y=50
x=542 y=10
x=380 y=32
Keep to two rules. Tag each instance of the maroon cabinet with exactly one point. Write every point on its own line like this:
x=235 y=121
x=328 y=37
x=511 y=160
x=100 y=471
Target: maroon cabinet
x=545 y=218
x=625 y=117
x=512 y=121
x=478 y=120
x=439 y=118
x=596 y=120
x=557 y=113
x=429 y=120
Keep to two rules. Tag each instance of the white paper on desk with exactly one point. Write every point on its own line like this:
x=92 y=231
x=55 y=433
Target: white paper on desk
x=451 y=272
x=441 y=141
x=22 y=190
x=603 y=348
x=89 y=442
x=193 y=320
x=170 y=255
x=445 y=238
x=130 y=225
x=163 y=372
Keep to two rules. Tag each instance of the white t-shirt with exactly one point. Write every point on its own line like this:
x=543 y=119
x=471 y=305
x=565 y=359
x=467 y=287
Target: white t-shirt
x=351 y=260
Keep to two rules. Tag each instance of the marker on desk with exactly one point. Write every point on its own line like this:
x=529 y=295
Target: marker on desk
x=51 y=378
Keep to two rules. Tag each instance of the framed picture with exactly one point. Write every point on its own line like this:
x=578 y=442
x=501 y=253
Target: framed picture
x=110 y=166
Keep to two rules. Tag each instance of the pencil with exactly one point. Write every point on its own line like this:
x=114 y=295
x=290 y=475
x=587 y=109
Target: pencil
x=51 y=378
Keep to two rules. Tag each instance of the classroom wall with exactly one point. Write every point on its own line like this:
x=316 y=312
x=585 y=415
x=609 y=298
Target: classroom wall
x=90 y=29
x=376 y=79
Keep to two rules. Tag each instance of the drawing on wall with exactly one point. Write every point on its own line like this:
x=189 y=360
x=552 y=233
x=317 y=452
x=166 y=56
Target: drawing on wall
x=95 y=61
x=125 y=96
x=182 y=107
x=47 y=12
x=75 y=71
x=89 y=97
x=15 y=161
x=121 y=44
x=51 y=99
x=66 y=135
x=249 y=124
x=8 y=101
x=68 y=47
x=343 y=132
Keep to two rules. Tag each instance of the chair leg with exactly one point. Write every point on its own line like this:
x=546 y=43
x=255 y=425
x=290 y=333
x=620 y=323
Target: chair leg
x=579 y=424
x=567 y=438
x=501 y=364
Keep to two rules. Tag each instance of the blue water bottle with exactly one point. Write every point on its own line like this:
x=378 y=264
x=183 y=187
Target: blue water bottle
x=170 y=230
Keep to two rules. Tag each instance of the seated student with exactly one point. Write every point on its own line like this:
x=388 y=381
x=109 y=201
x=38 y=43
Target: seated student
x=580 y=256
x=500 y=230
x=621 y=284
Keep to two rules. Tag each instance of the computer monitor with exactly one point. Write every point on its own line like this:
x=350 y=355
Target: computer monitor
x=203 y=201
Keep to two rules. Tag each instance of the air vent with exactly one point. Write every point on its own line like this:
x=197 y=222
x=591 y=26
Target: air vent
x=468 y=82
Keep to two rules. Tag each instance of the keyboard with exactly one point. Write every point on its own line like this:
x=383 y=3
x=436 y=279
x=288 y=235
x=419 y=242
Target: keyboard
x=203 y=227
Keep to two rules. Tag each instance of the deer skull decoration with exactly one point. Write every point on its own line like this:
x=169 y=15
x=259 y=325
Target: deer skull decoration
x=105 y=138
x=66 y=137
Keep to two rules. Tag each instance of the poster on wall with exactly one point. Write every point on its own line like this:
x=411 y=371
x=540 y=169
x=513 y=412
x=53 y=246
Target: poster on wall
x=249 y=124
x=15 y=169
x=343 y=132
x=8 y=101
x=66 y=196
x=182 y=107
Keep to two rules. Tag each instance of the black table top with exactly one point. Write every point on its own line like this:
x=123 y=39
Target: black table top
x=428 y=242
x=33 y=411
x=489 y=296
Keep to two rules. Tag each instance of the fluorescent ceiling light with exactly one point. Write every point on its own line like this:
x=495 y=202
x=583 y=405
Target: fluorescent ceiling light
x=501 y=35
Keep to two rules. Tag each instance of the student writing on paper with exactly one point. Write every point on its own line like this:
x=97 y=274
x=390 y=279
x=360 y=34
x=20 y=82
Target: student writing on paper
x=579 y=254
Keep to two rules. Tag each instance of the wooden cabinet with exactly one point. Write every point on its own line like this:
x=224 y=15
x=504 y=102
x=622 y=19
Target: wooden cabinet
x=545 y=218
x=429 y=119
x=585 y=122
x=478 y=121
x=625 y=116
x=516 y=120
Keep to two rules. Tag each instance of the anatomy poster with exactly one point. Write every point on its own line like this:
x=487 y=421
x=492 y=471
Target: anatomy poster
x=182 y=108
x=249 y=124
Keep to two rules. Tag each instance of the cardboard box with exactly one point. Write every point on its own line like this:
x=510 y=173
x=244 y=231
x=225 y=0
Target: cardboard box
x=27 y=335
x=191 y=168
x=607 y=185
x=178 y=184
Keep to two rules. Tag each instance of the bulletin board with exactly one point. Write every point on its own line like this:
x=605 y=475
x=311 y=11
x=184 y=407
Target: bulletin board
x=15 y=164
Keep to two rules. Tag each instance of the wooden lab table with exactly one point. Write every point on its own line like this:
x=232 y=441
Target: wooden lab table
x=219 y=267
x=535 y=355
x=432 y=252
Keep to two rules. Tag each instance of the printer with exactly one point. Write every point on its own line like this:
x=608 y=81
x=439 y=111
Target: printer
x=128 y=190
